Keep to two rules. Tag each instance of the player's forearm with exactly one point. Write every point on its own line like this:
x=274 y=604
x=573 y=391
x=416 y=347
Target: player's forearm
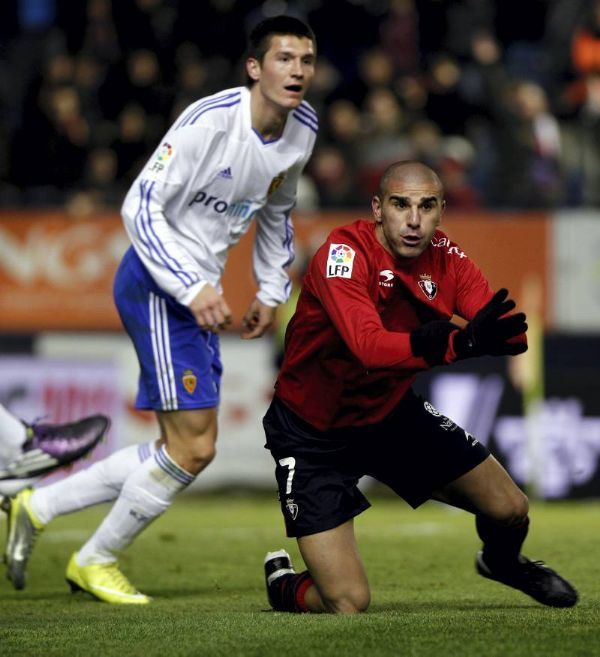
x=168 y=262
x=273 y=253
x=378 y=349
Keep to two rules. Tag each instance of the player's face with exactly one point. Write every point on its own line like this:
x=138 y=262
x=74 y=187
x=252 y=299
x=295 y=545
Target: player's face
x=407 y=215
x=286 y=71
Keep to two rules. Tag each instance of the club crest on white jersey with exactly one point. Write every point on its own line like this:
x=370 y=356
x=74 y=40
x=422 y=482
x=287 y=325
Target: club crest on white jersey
x=339 y=261
x=275 y=184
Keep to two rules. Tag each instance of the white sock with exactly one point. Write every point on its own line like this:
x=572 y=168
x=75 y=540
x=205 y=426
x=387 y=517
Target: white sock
x=101 y=482
x=146 y=494
x=12 y=436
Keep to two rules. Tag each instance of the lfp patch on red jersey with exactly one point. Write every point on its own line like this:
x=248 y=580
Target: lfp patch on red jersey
x=340 y=259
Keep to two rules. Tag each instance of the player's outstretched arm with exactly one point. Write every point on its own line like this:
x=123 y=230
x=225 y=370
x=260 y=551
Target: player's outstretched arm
x=257 y=319
x=210 y=309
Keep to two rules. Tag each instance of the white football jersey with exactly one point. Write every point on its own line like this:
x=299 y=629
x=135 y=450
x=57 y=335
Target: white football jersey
x=196 y=196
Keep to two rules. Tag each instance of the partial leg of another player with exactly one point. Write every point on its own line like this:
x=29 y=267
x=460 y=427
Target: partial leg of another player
x=146 y=494
x=30 y=511
x=334 y=582
x=502 y=521
x=30 y=451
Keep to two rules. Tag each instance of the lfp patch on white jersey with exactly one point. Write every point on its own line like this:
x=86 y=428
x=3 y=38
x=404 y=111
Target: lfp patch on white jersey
x=339 y=261
x=160 y=161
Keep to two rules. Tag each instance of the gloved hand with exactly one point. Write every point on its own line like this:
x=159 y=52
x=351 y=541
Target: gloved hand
x=488 y=332
x=430 y=341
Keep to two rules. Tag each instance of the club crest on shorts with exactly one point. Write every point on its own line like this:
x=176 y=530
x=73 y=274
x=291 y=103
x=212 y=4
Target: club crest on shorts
x=189 y=381
x=430 y=408
x=428 y=287
x=339 y=261
x=292 y=508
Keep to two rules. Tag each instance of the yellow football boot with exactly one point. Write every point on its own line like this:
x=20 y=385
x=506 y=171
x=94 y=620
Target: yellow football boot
x=104 y=581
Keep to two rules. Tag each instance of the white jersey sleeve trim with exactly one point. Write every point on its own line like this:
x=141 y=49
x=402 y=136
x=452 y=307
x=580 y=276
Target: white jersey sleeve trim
x=165 y=258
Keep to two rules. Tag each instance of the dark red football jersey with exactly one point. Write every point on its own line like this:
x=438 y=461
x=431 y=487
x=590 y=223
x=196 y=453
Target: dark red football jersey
x=348 y=359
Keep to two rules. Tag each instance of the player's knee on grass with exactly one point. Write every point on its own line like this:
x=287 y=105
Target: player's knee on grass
x=350 y=600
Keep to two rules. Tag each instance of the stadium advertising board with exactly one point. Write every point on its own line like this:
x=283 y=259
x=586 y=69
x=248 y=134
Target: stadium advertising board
x=554 y=452
x=56 y=272
x=576 y=282
x=246 y=391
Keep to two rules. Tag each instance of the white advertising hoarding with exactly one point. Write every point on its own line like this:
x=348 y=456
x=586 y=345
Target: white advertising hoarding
x=576 y=271
x=246 y=389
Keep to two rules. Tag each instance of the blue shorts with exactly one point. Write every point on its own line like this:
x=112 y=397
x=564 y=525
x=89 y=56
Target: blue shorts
x=180 y=364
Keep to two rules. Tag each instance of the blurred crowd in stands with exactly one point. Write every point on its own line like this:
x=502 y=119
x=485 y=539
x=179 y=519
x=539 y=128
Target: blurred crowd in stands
x=502 y=97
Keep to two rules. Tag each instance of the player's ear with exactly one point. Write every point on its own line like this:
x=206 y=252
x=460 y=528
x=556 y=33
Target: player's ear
x=253 y=68
x=376 y=208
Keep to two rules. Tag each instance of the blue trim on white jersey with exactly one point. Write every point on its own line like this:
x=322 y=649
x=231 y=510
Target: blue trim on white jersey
x=310 y=117
x=201 y=104
x=266 y=141
x=306 y=122
x=208 y=109
x=287 y=289
x=304 y=105
x=144 y=452
x=288 y=242
x=171 y=468
x=143 y=223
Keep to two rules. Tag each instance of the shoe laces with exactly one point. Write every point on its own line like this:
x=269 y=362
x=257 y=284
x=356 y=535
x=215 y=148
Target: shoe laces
x=533 y=567
x=117 y=579
x=536 y=573
x=31 y=426
x=35 y=532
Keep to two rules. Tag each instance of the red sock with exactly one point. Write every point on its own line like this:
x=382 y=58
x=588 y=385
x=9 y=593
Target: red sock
x=288 y=592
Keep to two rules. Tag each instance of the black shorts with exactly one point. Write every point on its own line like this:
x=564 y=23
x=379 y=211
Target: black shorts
x=415 y=450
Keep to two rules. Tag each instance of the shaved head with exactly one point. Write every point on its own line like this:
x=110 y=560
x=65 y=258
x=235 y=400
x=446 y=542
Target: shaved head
x=410 y=172
x=407 y=208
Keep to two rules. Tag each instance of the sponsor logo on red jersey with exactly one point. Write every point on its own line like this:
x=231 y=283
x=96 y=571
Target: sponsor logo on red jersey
x=386 y=278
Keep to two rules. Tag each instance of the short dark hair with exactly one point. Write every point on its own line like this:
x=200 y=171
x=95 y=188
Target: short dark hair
x=259 y=39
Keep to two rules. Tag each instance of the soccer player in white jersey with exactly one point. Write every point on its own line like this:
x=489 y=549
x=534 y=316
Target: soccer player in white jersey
x=229 y=158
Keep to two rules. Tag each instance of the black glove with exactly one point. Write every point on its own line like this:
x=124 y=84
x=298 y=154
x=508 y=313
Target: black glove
x=488 y=332
x=431 y=340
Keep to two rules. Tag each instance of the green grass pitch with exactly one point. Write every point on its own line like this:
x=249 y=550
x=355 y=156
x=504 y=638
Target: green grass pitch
x=202 y=563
